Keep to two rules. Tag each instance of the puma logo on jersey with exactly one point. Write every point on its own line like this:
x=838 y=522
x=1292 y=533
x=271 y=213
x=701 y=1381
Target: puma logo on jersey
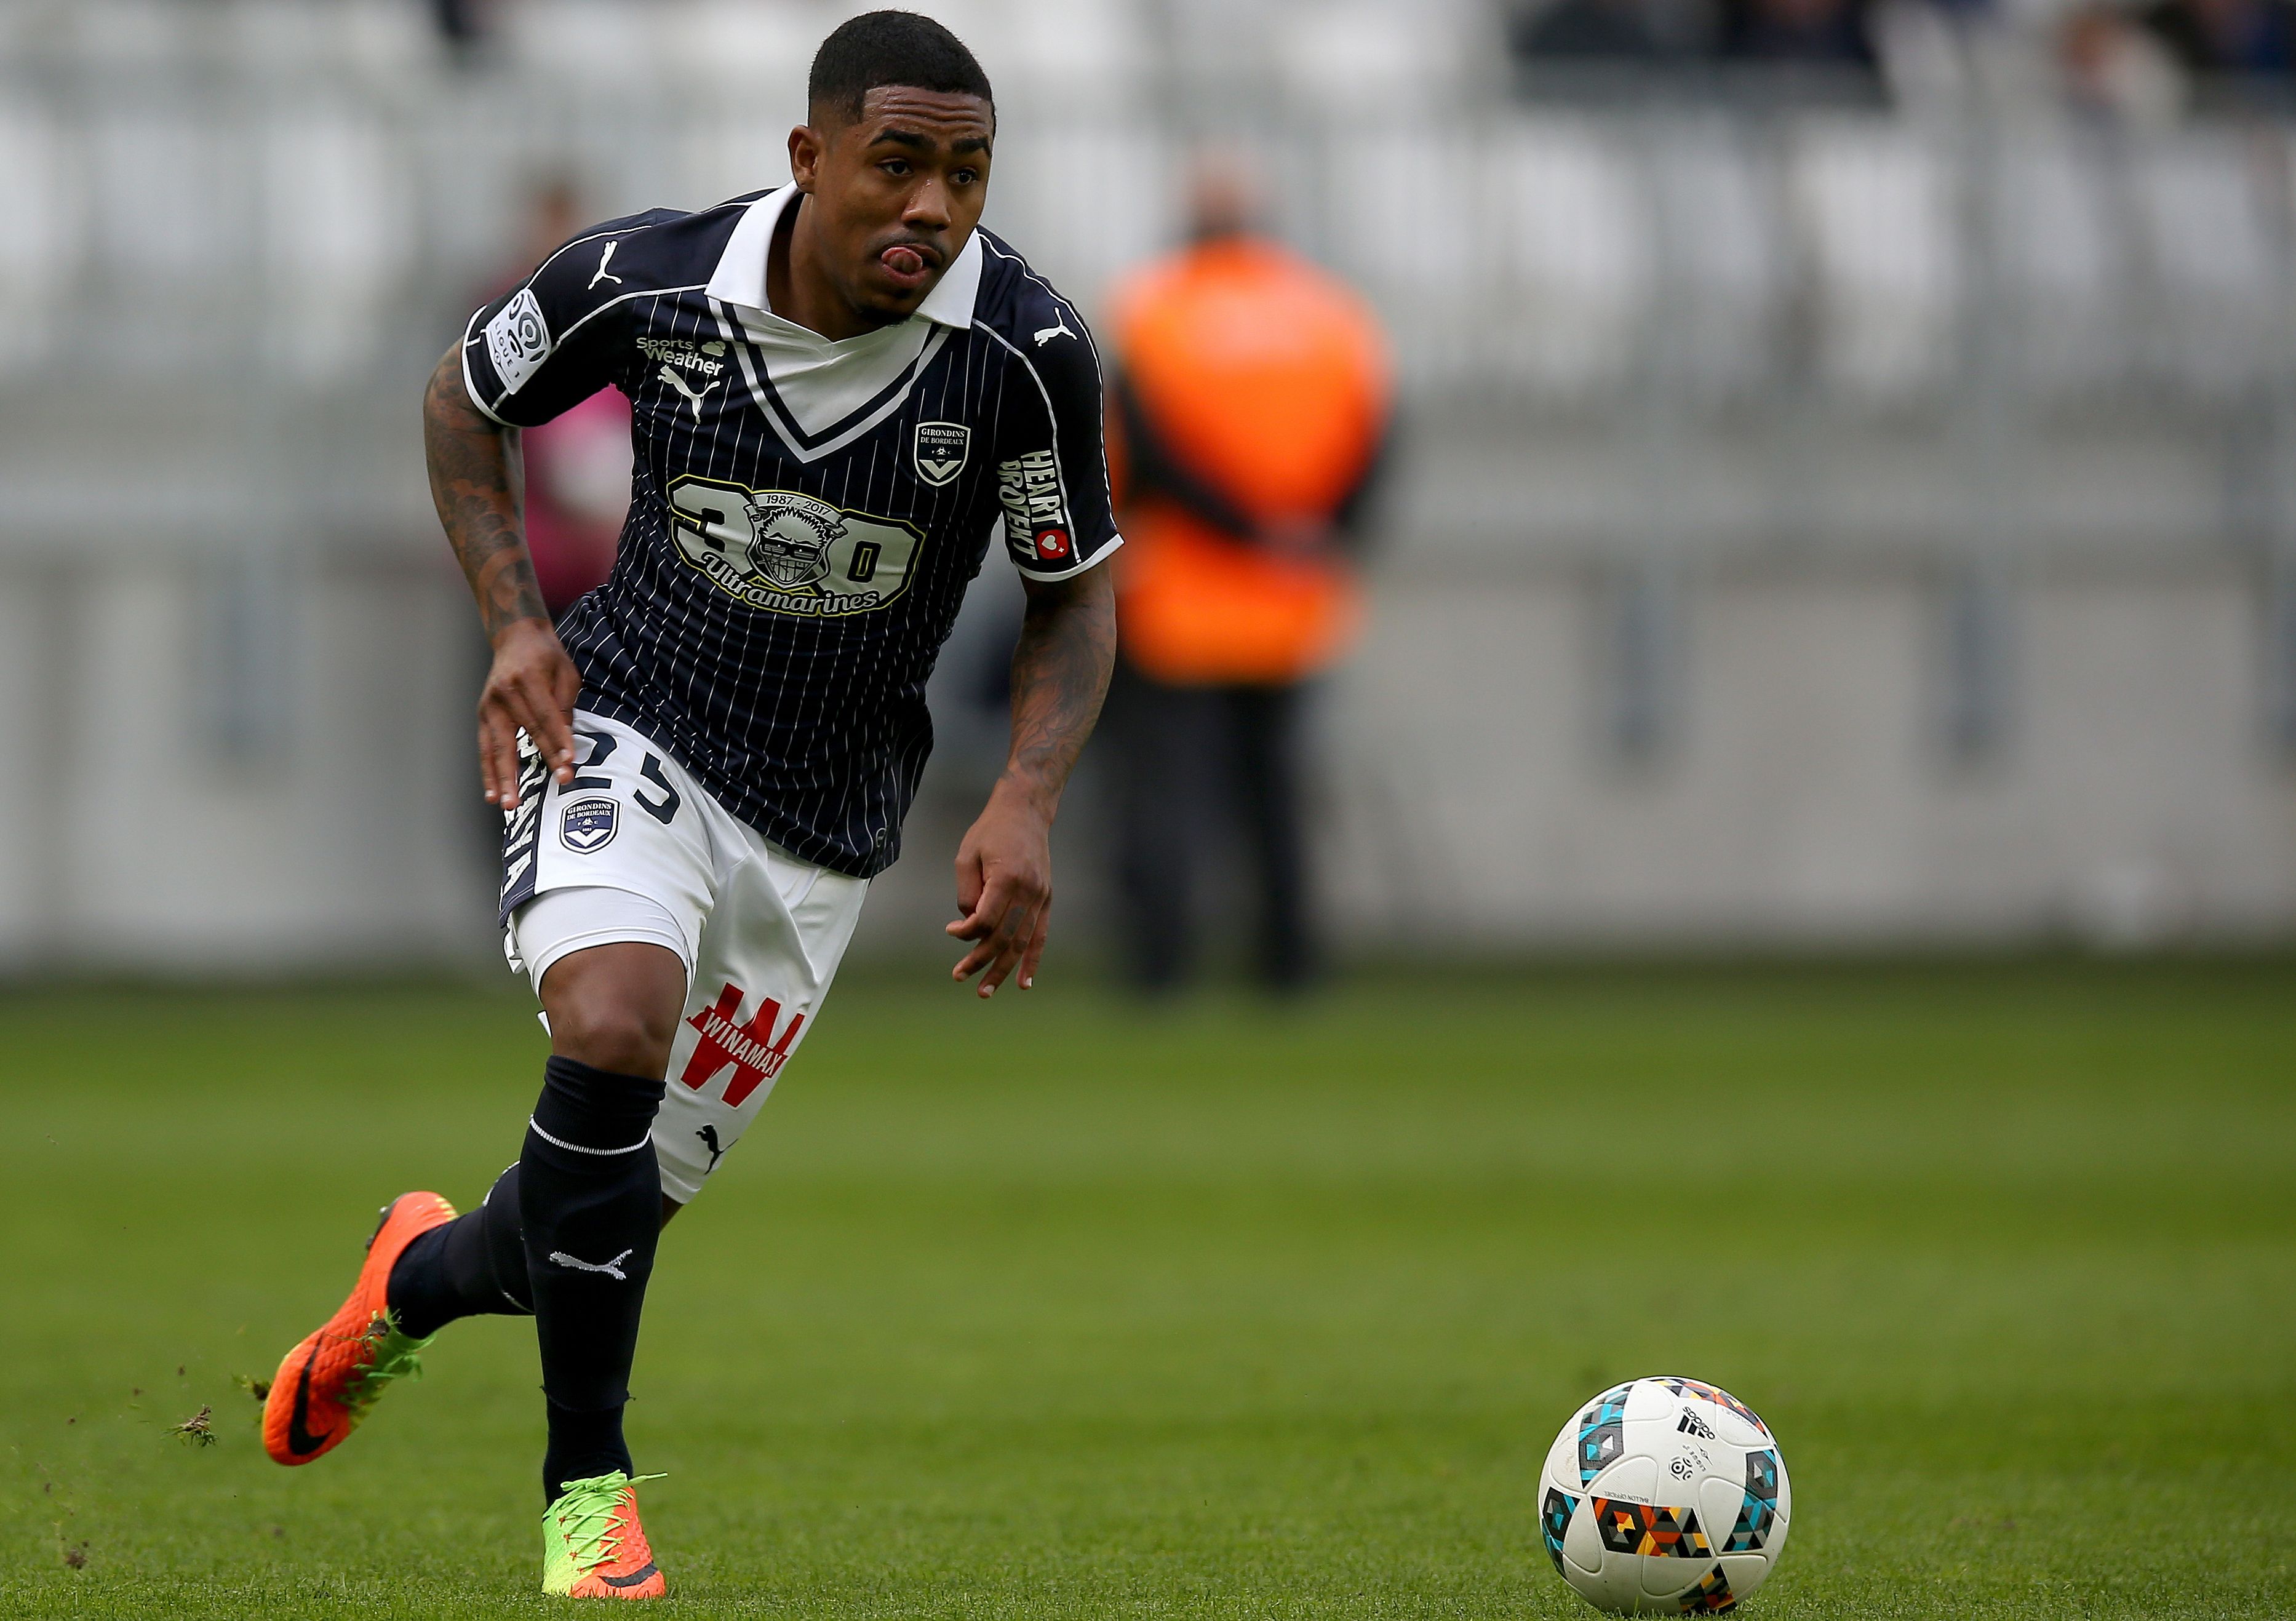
x=692 y=397
x=1045 y=334
x=613 y=1269
x=604 y=260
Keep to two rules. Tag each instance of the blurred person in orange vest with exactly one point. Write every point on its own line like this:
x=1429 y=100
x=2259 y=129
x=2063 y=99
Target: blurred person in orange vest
x=577 y=465
x=1252 y=415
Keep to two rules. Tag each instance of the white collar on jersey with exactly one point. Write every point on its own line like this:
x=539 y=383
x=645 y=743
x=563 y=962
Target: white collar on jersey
x=740 y=278
x=819 y=396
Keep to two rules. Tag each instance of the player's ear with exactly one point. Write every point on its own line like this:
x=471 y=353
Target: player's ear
x=805 y=148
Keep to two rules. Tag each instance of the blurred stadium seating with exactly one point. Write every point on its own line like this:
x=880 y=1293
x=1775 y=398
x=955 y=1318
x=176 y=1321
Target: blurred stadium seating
x=1825 y=519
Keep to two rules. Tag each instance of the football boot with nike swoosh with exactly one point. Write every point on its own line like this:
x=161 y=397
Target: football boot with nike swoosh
x=593 y=1546
x=328 y=1383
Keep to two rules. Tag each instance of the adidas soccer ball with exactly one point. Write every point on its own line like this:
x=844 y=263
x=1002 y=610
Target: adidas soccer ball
x=1664 y=1496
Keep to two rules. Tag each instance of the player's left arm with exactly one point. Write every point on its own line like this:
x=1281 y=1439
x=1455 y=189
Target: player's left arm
x=1059 y=525
x=1061 y=668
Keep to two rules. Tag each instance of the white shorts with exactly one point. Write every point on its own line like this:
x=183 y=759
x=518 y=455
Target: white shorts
x=634 y=848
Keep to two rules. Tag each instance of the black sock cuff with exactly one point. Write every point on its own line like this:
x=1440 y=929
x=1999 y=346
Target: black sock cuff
x=418 y=1290
x=596 y=1111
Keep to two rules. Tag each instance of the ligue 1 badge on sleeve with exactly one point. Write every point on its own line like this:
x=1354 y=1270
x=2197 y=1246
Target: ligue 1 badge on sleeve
x=588 y=825
x=518 y=339
x=941 y=448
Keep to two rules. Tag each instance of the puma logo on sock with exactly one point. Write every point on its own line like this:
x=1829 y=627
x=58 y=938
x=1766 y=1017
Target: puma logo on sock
x=613 y=1269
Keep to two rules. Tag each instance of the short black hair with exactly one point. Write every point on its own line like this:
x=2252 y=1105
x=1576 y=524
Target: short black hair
x=879 y=48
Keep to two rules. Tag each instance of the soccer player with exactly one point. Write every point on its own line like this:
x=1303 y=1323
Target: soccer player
x=839 y=388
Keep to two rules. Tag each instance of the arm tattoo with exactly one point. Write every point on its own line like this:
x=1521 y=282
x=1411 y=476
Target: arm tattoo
x=1061 y=668
x=476 y=485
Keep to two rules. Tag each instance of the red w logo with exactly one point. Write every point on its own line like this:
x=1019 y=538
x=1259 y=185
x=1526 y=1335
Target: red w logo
x=749 y=1050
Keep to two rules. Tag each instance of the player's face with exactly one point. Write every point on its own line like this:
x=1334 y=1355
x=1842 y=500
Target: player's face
x=896 y=192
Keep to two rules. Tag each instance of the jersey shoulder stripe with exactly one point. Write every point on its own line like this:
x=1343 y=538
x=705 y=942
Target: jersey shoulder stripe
x=1019 y=305
x=1047 y=342
x=511 y=342
x=651 y=251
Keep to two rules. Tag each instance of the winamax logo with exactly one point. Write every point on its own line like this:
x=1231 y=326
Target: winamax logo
x=749 y=1048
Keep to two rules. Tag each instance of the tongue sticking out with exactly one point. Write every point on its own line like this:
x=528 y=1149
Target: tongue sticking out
x=902 y=261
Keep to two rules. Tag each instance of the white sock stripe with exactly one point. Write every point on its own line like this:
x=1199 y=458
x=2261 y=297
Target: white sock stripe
x=576 y=1147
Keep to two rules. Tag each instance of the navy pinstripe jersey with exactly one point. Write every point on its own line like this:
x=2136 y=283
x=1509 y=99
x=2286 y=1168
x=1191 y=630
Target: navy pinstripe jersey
x=805 y=515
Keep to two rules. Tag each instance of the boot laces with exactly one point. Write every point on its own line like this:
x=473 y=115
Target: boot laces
x=391 y=1355
x=585 y=1515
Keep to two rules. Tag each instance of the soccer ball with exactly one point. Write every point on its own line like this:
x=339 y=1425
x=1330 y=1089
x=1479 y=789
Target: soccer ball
x=1664 y=1496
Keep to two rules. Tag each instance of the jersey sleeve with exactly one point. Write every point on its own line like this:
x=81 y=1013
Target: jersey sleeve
x=546 y=346
x=1051 y=466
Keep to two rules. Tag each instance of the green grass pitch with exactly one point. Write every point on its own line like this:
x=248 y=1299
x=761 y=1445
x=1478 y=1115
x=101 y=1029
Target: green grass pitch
x=1053 y=1308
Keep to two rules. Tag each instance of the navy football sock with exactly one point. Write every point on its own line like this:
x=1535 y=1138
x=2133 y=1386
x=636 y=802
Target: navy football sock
x=505 y=1243
x=472 y=1266
x=589 y=1194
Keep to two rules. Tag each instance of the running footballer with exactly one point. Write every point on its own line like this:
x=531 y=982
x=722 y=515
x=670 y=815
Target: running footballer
x=843 y=390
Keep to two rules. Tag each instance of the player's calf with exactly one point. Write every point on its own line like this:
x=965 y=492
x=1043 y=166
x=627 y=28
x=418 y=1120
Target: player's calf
x=472 y=1266
x=590 y=1204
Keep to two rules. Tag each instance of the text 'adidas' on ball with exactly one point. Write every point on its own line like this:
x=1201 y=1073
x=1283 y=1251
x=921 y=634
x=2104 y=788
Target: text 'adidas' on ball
x=1664 y=1496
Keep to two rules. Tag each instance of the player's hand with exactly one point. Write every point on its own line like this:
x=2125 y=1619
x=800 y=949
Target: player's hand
x=532 y=686
x=1004 y=888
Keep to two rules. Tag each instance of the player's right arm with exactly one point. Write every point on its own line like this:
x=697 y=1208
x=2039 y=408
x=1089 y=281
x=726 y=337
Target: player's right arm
x=477 y=484
x=541 y=348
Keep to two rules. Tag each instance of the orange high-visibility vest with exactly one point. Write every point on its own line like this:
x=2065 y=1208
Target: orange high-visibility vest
x=1269 y=381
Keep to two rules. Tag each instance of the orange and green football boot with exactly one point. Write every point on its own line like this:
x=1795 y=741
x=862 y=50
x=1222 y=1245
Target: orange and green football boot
x=593 y=1546
x=327 y=1383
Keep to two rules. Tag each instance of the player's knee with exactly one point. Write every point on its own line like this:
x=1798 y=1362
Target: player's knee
x=615 y=1008
x=621 y=1038
x=616 y=1034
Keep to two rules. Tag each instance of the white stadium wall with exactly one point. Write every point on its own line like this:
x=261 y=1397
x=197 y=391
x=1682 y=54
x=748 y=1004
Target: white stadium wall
x=1808 y=799
x=1471 y=798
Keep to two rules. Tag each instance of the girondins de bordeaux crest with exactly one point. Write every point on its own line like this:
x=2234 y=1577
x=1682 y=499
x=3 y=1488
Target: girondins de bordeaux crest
x=941 y=449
